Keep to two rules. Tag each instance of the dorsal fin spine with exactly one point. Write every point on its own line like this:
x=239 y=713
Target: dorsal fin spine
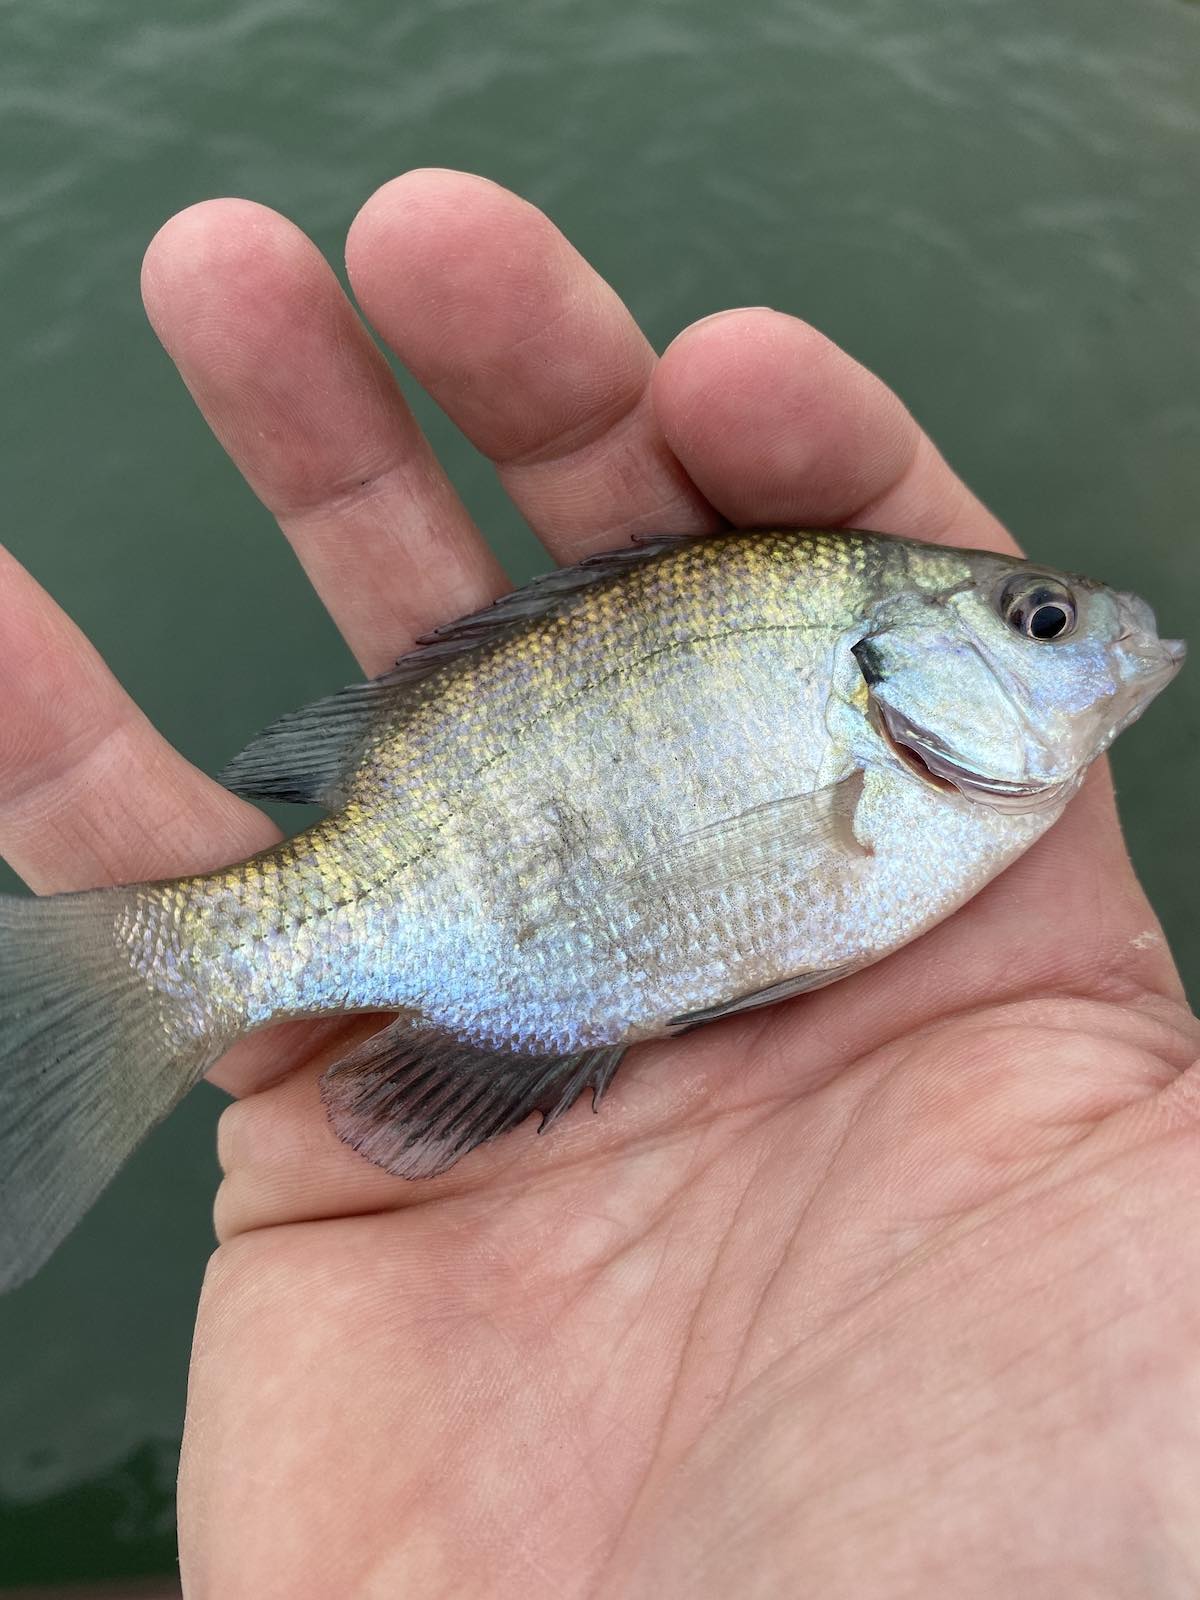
x=307 y=756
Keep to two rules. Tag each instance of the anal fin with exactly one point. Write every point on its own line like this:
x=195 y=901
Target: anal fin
x=415 y=1100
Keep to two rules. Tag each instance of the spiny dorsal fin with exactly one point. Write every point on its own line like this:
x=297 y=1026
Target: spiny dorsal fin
x=308 y=755
x=536 y=599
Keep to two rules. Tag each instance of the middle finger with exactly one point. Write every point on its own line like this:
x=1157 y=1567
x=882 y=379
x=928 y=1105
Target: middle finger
x=529 y=352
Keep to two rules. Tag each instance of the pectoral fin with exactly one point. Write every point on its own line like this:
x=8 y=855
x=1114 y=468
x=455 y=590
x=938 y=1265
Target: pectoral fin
x=414 y=1101
x=812 y=832
x=805 y=828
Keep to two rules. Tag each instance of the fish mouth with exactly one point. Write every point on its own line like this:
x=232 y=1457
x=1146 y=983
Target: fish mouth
x=934 y=767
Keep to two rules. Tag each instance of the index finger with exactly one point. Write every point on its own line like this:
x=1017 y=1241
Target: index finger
x=529 y=352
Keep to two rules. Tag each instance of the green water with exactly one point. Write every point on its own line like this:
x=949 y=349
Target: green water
x=992 y=202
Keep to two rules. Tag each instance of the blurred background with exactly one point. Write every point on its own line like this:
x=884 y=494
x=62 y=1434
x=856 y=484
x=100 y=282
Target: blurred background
x=991 y=202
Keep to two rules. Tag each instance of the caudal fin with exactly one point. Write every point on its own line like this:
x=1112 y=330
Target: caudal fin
x=91 y=1057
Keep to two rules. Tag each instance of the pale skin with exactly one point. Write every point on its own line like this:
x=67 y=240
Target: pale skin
x=891 y=1291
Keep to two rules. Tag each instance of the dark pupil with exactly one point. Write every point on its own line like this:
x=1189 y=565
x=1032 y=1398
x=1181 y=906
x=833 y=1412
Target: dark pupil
x=1047 y=622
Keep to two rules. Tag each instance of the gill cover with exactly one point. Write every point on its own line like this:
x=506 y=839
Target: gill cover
x=940 y=695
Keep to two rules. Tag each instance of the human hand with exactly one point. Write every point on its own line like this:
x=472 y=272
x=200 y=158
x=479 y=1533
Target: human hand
x=886 y=1291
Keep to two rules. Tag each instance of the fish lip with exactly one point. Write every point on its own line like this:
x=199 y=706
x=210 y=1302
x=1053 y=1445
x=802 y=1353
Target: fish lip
x=1157 y=664
x=918 y=753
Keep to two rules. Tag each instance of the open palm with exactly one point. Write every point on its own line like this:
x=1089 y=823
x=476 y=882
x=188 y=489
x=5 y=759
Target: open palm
x=887 y=1291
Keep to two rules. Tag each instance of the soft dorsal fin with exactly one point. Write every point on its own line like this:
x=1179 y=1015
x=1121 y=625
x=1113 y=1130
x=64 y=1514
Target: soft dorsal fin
x=308 y=755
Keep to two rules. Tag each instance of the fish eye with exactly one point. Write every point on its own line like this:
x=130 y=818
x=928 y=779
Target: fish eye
x=1039 y=608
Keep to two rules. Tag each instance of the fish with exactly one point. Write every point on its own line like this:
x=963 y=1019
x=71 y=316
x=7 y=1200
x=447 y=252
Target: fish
x=679 y=780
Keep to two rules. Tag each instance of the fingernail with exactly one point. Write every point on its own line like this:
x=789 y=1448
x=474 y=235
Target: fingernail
x=715 y=316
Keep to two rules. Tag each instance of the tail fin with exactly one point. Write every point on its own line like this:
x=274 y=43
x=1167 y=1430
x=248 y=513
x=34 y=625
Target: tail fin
x=91 y=1057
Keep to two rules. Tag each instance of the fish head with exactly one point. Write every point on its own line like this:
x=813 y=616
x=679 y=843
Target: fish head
x=1005 y=684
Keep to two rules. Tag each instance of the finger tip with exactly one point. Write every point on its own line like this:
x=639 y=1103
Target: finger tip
x=191 y=234
x=220 y=245
x=762 y=408
x=494 y=311
x=433 y=238
x=436 y=186
x=733 y=357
